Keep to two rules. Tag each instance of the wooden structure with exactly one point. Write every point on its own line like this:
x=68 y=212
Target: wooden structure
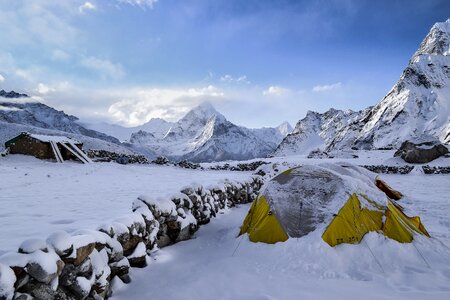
x=60 y=148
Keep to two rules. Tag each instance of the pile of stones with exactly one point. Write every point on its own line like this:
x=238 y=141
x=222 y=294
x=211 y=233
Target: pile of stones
x=389 y=169
x=107 y=156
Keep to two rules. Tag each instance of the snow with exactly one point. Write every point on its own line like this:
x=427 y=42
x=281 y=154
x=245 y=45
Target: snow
x=46 y=260
x=53 y=138
x=139 y=251
x=204 y=134
x=217 y=264
x=7 y=280
x=40 y=197
x=60 y=241
x=32 y=245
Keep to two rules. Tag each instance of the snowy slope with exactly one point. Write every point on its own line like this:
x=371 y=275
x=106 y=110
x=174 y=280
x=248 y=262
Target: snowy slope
x=316 y=131
x=273 y=135
x=156 y=126
x=417 y=108
x=11 y=130
x=27 y=111
x=204 y=134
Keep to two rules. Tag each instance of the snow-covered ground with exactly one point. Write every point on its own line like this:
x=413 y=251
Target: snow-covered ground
x=218 y=265
x=39 y=197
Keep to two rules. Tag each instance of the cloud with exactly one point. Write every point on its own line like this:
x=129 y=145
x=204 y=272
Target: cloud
x=275 y=90
x=231 y=79
x=137 y=106
x=2 y=78
x=103 y=66
x=141 y=3
x=44 y=89
x=327 y=87
x=60 y=55
x=86 y=6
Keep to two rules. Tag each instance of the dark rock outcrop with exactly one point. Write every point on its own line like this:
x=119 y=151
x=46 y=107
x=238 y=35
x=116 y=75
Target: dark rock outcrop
x=420 y=153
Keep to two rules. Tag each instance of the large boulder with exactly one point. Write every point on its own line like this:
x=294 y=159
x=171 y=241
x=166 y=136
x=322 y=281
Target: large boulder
x=420 y=153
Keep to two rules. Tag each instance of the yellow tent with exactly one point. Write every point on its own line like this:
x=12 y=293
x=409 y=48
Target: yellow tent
x=345 y=197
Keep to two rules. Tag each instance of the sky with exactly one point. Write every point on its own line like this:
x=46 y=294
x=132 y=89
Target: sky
x=258 y=62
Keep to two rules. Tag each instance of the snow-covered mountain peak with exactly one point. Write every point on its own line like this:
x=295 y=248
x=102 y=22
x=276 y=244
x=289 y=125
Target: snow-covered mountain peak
x=201 y=113
x=437 y=42
x=417 y=108
x=284 y=128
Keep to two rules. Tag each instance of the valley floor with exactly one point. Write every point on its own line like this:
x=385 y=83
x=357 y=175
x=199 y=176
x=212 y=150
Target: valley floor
x=218 y=265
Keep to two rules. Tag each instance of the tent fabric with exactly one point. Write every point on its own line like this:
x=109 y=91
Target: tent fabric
x=398 y=226
x=262 y=225
x=303 y=199
x=352 y=223
x=299 y=198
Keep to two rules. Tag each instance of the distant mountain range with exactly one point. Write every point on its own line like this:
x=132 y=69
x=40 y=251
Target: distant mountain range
x=205 y=135
x=202 y=135
x=417 y=108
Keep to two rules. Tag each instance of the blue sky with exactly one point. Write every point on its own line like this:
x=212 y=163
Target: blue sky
x=259 y=62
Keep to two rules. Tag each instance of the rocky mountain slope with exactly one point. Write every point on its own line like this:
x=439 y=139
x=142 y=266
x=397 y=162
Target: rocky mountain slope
x=19 y=113
x=156 y=126
x=204 y=135
x=417 y=108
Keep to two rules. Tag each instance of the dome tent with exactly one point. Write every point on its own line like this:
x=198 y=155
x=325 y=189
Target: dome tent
x=342 y=199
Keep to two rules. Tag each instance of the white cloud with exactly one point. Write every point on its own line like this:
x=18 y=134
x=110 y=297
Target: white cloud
x=141 y=3
x=140 y=105
x=326 y=87
x=44 y=89
x=275 y=90
x=231 y=79
x=2 y=78
x=105 y=67
x=60 y=55
x=86 y=6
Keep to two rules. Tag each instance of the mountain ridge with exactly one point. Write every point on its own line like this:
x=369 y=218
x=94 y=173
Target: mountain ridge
x=417 y=108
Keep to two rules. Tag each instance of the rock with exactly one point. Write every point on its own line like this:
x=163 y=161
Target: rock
x=123 y=160
x=75 y=279
x=161 y=160
x=37 y=272
x=420 y=153
x=120 y=268
x=41 y=291
x=32 y=245
x=22 y=296
x=138 y=259
x=83 y=245
x=61 y=242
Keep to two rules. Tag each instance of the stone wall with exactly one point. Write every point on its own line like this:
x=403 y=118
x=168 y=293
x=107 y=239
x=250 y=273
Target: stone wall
x=88 y=263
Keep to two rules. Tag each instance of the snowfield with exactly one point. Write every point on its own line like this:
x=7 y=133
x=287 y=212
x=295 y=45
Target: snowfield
x=218 y=265
x=39 y=197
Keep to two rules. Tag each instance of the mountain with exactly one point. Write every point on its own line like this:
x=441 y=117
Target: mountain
x=205 y=135
x=156 y=126
x=19 y=112
x=273 y=135
x=417 y=108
